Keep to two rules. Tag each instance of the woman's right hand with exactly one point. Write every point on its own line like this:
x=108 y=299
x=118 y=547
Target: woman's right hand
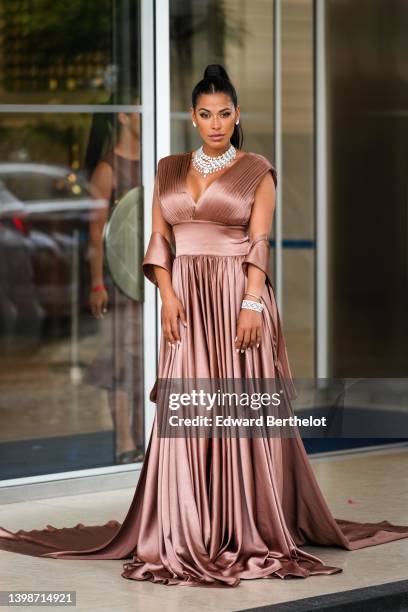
x=172 y=310
x=98 y=301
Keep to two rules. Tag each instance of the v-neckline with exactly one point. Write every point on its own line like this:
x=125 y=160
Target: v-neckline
x=189 y=156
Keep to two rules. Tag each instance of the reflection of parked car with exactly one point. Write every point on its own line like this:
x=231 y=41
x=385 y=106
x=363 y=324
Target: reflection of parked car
x=44 y=215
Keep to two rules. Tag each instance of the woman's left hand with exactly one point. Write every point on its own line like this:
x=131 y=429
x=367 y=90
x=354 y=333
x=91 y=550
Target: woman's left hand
x=248 y=330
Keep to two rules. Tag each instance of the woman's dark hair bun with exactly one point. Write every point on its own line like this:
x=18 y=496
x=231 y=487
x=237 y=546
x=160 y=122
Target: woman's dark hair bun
x=217 y=71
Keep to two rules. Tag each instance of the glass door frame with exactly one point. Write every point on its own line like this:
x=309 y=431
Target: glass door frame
x=322 y=366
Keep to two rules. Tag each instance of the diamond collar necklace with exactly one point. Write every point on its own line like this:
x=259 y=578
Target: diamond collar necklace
x=206 y=164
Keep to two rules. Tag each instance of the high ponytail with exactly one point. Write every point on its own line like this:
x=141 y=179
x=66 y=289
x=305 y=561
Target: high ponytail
x=216 y=80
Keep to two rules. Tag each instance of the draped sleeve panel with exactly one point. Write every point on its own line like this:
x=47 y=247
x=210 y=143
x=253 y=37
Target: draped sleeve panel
x=159 y=253
x=258 y=255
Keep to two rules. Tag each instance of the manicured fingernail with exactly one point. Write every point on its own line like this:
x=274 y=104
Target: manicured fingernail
x=235 y=338
x=257 y=346
x=242 y=350
x=237 y=350
x=185 y=324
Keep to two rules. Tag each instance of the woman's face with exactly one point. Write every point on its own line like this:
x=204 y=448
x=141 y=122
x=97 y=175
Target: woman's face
x=215 y=115
x=130 y=121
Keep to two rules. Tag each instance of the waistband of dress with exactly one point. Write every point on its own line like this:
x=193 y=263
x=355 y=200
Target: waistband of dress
x=210 y=238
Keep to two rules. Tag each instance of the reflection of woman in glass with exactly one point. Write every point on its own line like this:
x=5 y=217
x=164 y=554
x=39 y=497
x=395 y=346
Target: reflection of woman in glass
x=210 y=511
x=119 y=367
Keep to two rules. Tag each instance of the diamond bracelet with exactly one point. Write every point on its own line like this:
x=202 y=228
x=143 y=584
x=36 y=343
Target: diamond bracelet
x=250 y=305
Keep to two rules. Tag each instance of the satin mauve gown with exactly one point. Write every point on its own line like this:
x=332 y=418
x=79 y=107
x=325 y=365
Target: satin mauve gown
x=212 y=511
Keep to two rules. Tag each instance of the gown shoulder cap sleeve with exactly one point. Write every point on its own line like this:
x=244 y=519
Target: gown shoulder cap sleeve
x=158 y=253
x=265 y=166
x=167 y=169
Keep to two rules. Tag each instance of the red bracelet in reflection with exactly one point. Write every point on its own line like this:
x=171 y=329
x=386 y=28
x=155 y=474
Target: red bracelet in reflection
x=98 y=288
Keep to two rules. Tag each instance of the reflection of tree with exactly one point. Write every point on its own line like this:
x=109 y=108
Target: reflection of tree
x=196 y=27
x=62 y=30
x=71 y=42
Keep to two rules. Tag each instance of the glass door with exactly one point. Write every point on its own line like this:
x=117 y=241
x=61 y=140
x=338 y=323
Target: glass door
x=73 y=93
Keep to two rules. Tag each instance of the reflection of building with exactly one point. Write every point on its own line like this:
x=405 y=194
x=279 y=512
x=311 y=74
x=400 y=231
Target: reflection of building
x=327 y=114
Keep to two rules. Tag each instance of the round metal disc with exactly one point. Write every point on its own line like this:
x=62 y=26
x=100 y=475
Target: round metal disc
x=123 y=244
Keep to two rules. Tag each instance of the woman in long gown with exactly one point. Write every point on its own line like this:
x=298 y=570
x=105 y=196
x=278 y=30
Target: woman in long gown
x=212 y=511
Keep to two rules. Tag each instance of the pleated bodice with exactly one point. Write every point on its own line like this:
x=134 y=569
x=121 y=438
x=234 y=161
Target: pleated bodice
x=215 y=224
x=227 y=200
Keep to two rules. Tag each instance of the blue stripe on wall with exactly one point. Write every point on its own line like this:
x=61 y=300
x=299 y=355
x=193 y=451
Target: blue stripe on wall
x=295 y=244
